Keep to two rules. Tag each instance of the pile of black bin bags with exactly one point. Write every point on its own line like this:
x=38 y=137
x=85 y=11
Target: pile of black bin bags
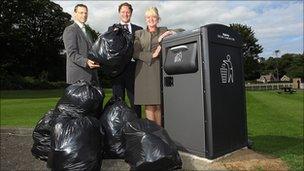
x=78 y=134
x=70 y=137
x=142 y=143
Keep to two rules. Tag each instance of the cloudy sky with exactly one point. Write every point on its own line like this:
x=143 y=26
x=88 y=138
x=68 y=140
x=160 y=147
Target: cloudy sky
x=277 y=24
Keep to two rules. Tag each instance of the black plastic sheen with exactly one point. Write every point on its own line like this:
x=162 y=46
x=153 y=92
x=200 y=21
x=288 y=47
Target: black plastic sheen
x=113 y=50
x=115 y=115
x=149 y=147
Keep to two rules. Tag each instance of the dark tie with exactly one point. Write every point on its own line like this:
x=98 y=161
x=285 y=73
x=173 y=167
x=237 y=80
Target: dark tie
x=126 y=27
x=86 y=32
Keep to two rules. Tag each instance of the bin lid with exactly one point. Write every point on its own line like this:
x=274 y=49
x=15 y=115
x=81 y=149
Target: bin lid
x=218 y=33
x=181 y=35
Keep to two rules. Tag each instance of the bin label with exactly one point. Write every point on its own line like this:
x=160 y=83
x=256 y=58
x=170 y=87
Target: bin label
x=225 y=36
x=226 y=70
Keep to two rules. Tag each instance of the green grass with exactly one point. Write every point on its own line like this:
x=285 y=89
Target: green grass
x=24 y=108
x=275 y=125
x=275 y=121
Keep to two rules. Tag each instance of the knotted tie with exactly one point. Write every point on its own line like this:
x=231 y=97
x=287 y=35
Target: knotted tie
x=126 y=27
x=84 y=31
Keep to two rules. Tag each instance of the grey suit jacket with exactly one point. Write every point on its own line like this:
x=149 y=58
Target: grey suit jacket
x=77 y=46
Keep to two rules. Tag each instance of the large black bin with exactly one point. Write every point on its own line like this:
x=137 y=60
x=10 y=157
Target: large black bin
x=203 y=90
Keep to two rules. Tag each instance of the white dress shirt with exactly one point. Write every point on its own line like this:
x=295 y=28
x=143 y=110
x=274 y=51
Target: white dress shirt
x=82 y=27
x=129 y=26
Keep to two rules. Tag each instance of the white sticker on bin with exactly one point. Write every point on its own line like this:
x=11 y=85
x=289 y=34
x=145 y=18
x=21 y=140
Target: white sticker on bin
x=226 y=71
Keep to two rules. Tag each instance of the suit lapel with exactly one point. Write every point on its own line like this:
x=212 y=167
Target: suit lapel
x=81 y=33
x=133 y=29
x=89 y=36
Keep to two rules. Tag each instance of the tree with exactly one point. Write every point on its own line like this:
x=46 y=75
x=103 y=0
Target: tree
x=284 y=62
x=288 y=64
x=93 y=33
x=251 y=49
x=269 y=65
x=294 y=67
x=32 y=32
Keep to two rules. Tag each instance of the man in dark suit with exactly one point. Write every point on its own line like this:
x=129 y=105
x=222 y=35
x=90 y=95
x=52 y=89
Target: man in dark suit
x=125 y=82
x=77 y=42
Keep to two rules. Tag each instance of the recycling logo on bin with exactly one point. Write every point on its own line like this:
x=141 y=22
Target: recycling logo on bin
x=226 y=70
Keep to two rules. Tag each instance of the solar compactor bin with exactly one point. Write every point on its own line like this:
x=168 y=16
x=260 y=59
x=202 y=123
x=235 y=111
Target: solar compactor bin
x=203 y=91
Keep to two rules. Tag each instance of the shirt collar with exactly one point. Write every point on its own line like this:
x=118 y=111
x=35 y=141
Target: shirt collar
x=81 y=25
x=122 y=23
x=129 y=25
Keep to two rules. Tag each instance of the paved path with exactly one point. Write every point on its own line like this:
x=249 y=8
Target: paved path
x=16 y=144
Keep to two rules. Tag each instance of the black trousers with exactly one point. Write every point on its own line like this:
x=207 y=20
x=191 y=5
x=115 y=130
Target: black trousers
x=125 y=83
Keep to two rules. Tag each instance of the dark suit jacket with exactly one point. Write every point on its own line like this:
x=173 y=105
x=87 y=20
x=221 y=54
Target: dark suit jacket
x=77 y=46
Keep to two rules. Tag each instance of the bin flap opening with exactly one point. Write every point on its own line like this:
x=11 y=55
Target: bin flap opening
x=181 y=59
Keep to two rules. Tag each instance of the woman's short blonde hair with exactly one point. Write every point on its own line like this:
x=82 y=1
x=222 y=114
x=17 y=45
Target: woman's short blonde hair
x=152 y=11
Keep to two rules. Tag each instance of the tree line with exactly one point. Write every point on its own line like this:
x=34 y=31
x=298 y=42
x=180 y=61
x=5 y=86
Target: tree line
x=288 y=64
x=291 y=65
x=33 y=51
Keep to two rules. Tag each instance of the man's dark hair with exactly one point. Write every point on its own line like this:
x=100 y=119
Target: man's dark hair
x=127 y=5
x=80 y=5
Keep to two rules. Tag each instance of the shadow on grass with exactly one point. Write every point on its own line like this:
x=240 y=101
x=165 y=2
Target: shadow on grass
x=278 y=145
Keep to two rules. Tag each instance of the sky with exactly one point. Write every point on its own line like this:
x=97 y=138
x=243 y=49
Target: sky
x=278 y=25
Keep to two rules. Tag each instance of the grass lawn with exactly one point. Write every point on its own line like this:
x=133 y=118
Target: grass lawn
x=275 y=125
x=24 y=108
x=275 y=121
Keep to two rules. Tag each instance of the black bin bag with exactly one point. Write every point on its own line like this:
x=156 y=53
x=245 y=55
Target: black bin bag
x=113 y=50
x=114 y=117
x=76 y=143
x=41 y=136
x=149 y=147
x=81 y=98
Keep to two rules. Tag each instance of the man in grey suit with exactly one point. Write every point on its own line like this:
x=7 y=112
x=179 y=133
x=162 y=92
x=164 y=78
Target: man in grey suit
x=77 y=42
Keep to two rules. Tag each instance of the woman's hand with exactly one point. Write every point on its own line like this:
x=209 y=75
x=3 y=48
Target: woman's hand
x=156 y=52
x=167 y=33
